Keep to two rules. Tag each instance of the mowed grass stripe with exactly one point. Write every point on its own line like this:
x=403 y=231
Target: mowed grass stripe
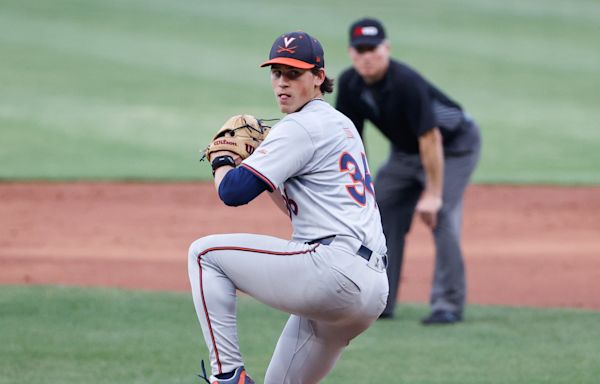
x=73 y=335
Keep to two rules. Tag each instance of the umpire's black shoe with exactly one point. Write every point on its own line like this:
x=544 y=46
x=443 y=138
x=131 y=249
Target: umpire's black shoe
x=442 y=317
x=386 y=316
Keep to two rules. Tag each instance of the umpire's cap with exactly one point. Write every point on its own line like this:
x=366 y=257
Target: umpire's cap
x=366 y=31
x=296 y=49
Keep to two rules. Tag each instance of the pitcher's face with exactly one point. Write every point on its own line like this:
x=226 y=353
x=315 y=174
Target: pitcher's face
x=294 y=87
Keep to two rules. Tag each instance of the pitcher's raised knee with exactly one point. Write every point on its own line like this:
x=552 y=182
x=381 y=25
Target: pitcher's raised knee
x=203 y=244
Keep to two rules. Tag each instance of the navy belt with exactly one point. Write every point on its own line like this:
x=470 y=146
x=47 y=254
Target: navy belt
x=363 y=251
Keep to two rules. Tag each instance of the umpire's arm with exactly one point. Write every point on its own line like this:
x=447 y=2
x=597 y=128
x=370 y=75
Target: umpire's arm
x=432 y=158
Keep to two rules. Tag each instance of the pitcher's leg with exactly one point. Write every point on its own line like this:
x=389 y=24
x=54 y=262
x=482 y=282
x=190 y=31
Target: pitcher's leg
x=215 y=302
x=308 y=350
x=261 y=266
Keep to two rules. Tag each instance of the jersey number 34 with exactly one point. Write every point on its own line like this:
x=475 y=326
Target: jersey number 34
x=361 y=184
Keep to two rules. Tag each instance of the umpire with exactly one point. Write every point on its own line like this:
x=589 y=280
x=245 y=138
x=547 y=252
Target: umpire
x=434 y=150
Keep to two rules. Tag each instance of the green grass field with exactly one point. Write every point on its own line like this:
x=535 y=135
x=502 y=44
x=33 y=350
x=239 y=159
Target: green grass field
x=131 y=89
x=73 y=335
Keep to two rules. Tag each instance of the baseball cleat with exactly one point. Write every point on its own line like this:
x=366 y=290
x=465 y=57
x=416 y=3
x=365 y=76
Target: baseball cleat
x=239 y=377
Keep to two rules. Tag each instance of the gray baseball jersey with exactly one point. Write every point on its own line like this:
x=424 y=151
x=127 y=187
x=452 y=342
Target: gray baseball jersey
x=318 y=161
x=333 y=290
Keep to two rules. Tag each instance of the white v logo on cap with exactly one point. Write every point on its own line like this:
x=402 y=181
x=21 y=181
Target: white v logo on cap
x=288 y=41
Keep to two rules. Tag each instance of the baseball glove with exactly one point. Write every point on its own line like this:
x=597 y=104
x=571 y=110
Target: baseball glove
x=240 y=134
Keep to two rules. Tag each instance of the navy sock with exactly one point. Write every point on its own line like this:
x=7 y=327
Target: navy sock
x=225 y=376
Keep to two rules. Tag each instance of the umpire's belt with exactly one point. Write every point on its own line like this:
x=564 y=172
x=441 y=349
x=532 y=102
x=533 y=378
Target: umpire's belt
x=363 y=251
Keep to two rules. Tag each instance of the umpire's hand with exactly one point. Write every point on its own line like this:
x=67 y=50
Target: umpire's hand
x=428 y=207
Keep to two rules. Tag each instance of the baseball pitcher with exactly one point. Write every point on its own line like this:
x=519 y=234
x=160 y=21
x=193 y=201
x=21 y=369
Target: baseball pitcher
x=330 y=277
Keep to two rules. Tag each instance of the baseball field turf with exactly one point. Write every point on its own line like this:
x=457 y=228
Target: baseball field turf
x=70 y=335
x=132 y=89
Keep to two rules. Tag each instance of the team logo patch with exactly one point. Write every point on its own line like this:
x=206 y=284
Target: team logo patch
x=287 y=41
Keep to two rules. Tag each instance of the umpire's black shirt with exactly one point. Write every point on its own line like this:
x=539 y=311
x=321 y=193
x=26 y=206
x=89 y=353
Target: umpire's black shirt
x=403 y=105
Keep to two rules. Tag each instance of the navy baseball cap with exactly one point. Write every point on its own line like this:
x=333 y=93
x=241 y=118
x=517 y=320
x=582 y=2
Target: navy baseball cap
x=366 y=32
x=296 y=49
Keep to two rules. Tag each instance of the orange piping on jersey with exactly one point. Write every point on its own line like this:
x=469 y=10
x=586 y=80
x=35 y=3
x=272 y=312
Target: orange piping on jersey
x=261 y=176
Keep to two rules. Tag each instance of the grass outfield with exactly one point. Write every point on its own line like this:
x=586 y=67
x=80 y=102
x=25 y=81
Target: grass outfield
x=73 y=335
x=131 y=89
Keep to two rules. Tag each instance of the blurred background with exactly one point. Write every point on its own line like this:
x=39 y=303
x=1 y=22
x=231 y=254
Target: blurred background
x=132 y=89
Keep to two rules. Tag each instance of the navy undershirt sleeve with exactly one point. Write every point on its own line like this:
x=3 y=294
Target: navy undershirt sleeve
x=240 y=186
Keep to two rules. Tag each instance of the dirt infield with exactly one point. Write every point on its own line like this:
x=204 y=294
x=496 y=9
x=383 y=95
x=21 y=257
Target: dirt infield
x=533 y=246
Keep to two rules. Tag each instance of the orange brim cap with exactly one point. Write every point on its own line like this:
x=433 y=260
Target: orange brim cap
x=288 y=61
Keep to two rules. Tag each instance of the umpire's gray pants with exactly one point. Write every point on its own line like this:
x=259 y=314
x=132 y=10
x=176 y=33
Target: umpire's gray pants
x=398 y=186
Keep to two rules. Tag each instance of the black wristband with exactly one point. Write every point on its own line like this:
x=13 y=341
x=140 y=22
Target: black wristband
x=220 y=161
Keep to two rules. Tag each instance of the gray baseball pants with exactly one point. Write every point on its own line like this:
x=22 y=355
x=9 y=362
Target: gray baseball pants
x=332 y=294
x=398 y=186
